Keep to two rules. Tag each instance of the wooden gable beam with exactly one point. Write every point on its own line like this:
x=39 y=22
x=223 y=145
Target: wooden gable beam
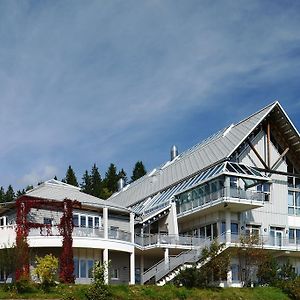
x=280 y=158
x=257 y=154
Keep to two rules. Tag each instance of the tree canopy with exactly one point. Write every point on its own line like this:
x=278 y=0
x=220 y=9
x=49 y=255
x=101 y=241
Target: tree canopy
x=139 y=171
x=71 y=177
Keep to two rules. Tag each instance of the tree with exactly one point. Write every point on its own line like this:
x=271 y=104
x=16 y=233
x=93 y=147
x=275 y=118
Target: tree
x=2 y=194
x=46 y=270
x=29 y=187
x=99 y=290
x=20 y=193
x=139 y=171
x=250 y=254
x=267 y=272
x=96 y=182
x=86 y=185
x=71 y=177
x=10 y=194
x=111 y=179
x=215 y=265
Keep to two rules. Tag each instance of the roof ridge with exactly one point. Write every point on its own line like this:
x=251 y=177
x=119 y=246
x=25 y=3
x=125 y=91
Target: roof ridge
x=256 y=113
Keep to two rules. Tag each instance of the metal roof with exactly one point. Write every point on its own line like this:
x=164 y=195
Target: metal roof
x=209 y=152
x=163 y=199
x=57 y=190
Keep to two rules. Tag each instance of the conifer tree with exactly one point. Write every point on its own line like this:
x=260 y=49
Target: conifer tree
x=111 y=179
x=20 y=193
x=10 y=194
x=139 y=171
x=96 y=182
x=29 y=187
x=71 y=177
x=86 y=185
x=2 y=194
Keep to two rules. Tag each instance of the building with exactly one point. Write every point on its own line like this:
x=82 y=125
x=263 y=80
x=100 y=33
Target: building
x=244 y=180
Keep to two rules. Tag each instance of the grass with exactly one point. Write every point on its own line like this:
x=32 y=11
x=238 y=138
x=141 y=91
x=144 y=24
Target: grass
x=168 y=292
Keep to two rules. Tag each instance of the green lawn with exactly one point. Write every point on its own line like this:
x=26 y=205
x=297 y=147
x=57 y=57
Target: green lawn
x=168 y=292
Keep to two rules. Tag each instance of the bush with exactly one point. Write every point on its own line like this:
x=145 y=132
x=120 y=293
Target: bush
x=23 y=285
x=46 y=270
x=98 y=289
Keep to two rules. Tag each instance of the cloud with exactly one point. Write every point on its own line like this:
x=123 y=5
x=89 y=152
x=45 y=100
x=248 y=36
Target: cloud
x=42 y=173
x=110 y=81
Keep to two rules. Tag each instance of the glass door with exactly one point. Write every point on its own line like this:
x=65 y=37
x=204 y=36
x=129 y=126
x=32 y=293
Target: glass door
x=276 y=236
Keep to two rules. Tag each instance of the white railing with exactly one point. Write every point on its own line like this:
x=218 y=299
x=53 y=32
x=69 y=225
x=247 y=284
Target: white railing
x=165 y=239
x=164 y=267
x=225 y=194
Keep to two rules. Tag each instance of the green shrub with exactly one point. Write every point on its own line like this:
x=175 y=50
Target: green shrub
x=46 y=270
x=98 y=289
x=23 y=285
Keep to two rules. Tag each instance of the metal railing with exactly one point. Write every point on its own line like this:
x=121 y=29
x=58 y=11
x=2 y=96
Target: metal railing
x=224 y=193
x=114 y=234
x=163 y=267
x=167 y=239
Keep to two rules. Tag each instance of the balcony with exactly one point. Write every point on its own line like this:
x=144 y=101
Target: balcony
x=238 y=199
x=163 y=240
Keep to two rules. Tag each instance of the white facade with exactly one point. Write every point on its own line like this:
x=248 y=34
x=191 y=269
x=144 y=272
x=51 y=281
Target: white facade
x=243 y=180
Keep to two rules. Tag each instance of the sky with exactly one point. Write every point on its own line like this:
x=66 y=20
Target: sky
x=84 y=82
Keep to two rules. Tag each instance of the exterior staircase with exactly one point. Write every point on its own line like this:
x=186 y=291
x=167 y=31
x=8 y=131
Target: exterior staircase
x=163 y=271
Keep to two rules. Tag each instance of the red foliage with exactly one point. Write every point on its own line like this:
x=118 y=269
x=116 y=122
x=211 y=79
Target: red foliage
x=24 y=204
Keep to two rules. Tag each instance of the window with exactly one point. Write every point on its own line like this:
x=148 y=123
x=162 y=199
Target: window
x=90 y=265
x=97 y=222
x=48 y=221
x=294 y=203
x=76 y=267
x=115 y=274
x=264 y=188
x=294 y=236
x=82 y=268
x=233 y=182
x=75 y=220
x=90 y=222
x=82 y=221
x=234 y=228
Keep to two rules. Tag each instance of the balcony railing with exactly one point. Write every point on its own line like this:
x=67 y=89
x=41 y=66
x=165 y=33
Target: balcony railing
x=225 y=193
x=167 y=239
x=114 y=234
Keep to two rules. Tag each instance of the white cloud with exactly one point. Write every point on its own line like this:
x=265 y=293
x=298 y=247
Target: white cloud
x=41 y=173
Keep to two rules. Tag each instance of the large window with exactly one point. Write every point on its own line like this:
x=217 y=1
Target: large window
x=83 y=220
x=294 y=203
x=294 y=236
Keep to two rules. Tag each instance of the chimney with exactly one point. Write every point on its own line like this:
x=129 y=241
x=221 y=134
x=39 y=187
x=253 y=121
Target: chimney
x=174 y=152
x=120 y=184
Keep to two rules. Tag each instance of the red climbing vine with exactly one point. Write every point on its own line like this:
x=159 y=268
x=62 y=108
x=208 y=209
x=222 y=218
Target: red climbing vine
x=24 y=204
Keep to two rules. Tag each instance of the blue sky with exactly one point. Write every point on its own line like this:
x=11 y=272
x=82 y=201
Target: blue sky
x=121 y=81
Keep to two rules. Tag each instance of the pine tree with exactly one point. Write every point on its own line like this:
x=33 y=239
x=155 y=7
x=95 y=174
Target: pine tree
x=71 y=177
x=55 y=178
x=86 y=185
x=111 y=179
x=138 y=171
x=122 y=174
x=29 y=187
x=20 y=193
x=96 y=182
x=2 y=194
x=10 y=194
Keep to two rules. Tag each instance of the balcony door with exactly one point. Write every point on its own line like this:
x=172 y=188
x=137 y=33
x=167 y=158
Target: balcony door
x=276 y=236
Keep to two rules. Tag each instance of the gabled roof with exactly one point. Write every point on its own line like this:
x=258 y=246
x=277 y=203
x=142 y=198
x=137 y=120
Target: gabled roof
x=209 y=152
x=57 y=190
